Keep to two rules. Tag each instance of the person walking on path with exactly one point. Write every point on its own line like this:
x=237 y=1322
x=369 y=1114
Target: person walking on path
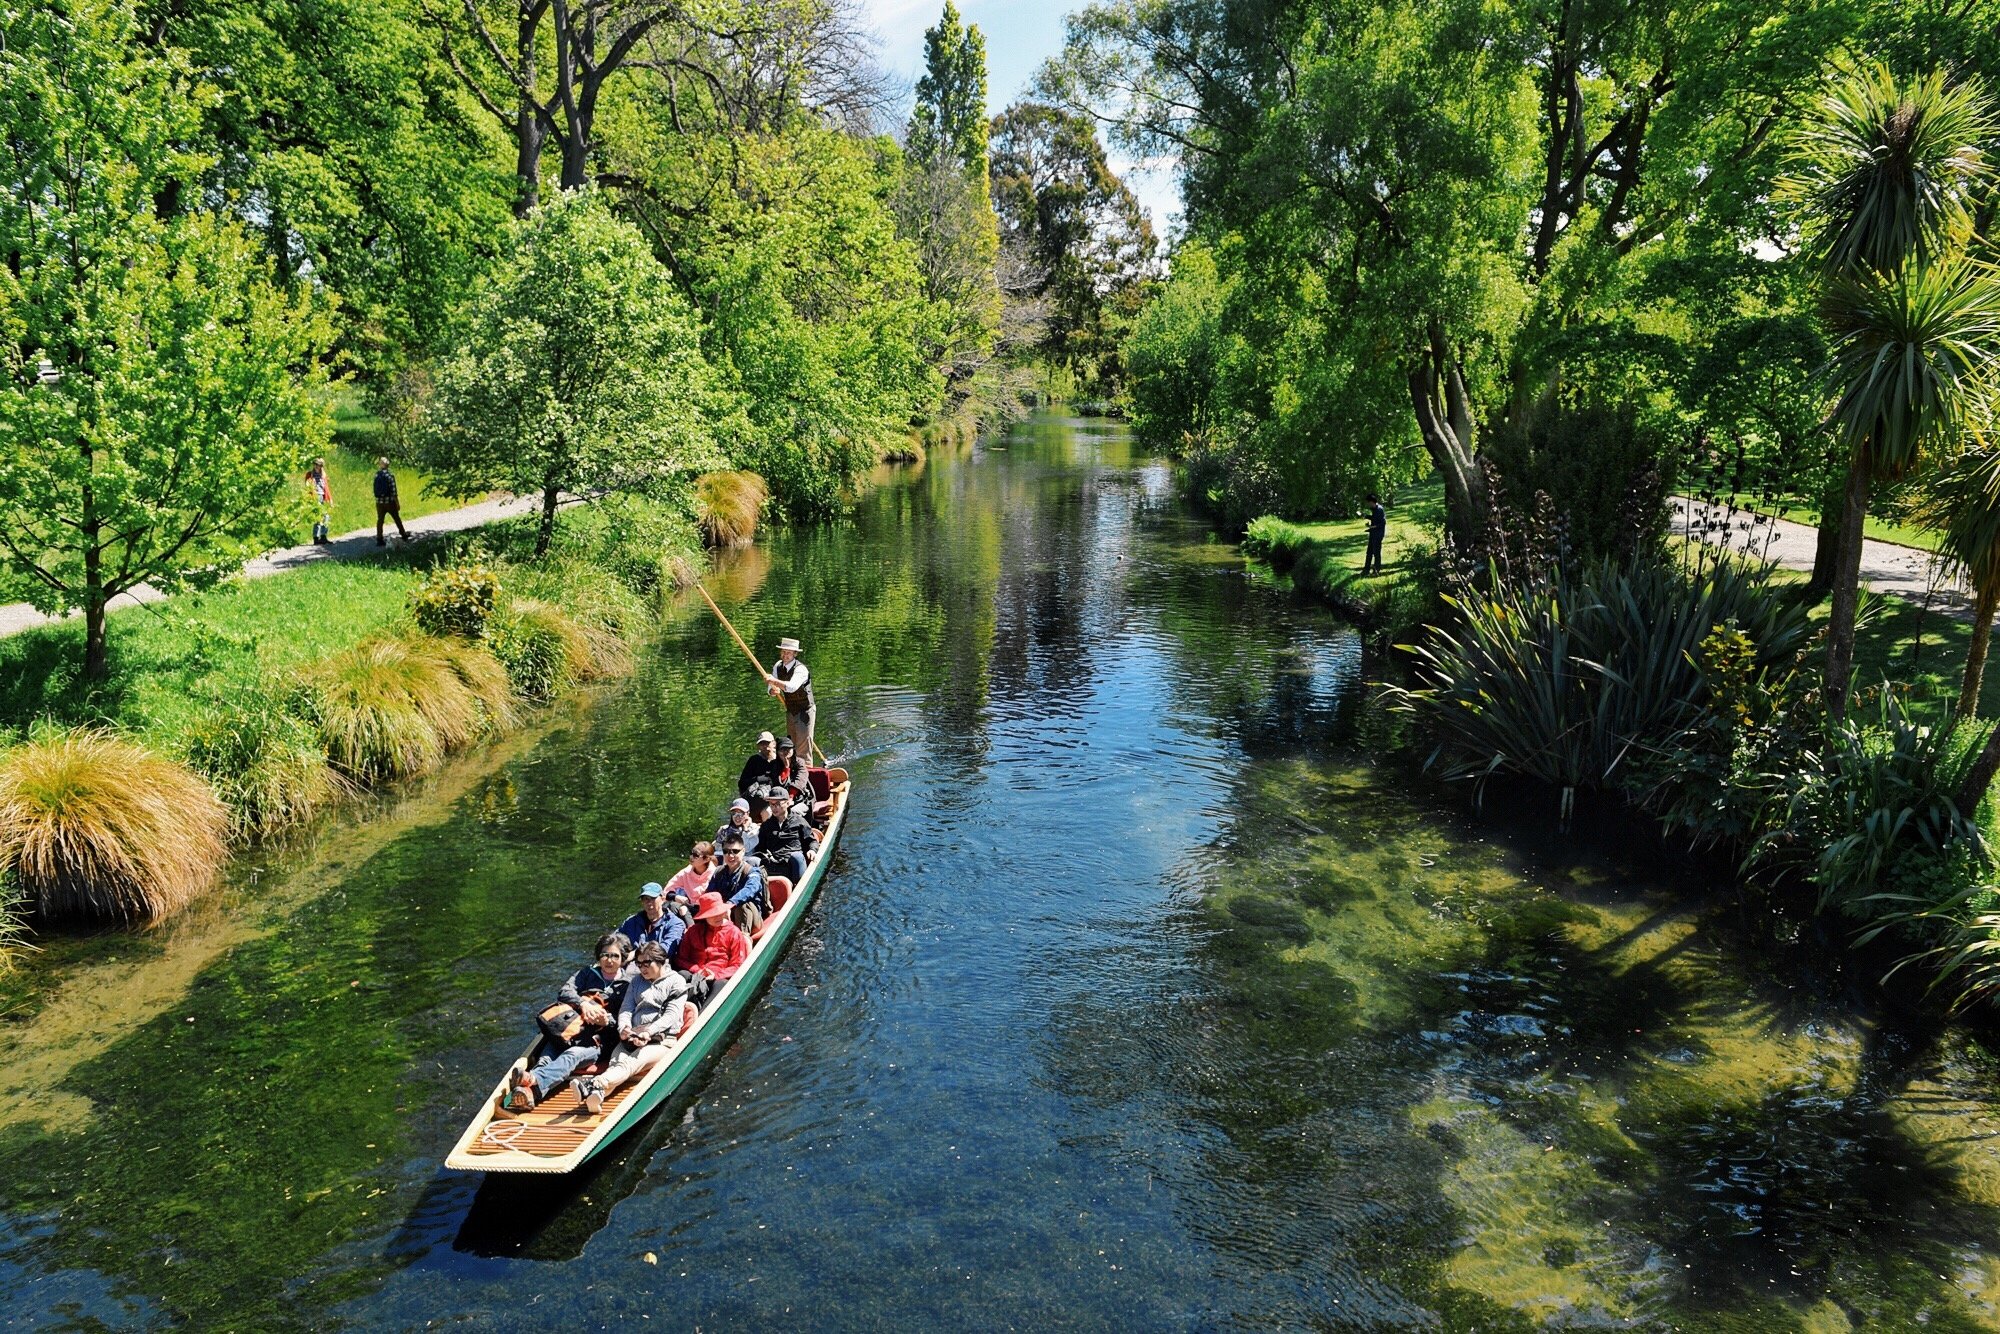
x=322 y=493
x=790 y=681
x=1378 y=528
x=387 y=504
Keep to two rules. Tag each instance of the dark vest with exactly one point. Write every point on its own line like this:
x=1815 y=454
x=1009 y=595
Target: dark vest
x=796 y=701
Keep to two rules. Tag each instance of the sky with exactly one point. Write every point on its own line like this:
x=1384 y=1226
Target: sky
x=1020 y=35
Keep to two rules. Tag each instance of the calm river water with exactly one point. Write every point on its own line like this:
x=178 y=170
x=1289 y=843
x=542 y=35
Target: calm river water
x=1137 y=998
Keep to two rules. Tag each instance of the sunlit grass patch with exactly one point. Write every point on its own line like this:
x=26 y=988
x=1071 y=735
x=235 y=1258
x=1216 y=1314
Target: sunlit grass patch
x=727 y=505
x=94 y=825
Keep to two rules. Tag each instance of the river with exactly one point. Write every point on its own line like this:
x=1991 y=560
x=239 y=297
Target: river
x=1140 y=995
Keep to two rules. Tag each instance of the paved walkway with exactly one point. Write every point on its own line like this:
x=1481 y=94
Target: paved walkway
x=1885 y=566
x=18 y=616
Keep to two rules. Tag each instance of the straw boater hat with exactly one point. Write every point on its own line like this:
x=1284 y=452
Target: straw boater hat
x=791 y=644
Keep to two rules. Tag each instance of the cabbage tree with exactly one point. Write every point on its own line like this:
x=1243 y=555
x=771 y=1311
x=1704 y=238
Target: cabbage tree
x=1884 y=178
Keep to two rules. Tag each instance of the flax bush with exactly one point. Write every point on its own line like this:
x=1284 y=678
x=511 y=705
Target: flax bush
x=1569 y=678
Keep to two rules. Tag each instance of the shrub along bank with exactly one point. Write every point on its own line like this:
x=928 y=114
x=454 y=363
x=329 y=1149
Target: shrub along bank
x=248 y=710
x=1686 y=685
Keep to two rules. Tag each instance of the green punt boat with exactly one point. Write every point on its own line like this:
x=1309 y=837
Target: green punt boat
x=560 y=1134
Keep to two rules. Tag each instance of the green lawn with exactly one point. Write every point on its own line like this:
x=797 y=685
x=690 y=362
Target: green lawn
x=173 y=660
x=1416 y=517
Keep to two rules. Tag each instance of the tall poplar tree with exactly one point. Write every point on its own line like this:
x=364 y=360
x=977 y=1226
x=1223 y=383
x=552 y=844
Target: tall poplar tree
x=946 y=204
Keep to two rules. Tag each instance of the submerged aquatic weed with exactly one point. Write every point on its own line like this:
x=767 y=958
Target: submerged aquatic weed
x=94 y=825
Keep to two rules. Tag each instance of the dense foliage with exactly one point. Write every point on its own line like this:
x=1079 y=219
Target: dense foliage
x=152 y=405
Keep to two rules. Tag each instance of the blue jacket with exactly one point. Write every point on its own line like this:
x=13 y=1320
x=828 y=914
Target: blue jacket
x=668 y=930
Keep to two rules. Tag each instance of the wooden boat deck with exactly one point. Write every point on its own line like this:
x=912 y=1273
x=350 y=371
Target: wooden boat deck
x=559 y=1135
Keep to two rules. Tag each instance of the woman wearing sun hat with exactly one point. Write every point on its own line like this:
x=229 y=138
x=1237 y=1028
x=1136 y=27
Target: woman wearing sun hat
x=713 y=949
x=791 y=682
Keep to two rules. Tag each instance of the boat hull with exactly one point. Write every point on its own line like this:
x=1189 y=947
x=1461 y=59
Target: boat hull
x=564 y=1139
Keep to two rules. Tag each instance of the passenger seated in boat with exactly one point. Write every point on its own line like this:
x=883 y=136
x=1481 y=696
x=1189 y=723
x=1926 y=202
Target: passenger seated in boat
x=740 y=824
x=760 y=771
x=792 y=773
x=650 y=1015
x=740 y=885
x=691 y=879
x=655 y=921
x=577 y=1029
x=714 y=949
x=785 y=841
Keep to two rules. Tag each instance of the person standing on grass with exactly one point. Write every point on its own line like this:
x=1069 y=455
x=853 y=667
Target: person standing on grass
x=1378 y=528
x=791 y=682
x=387 y=504
x=322 y=494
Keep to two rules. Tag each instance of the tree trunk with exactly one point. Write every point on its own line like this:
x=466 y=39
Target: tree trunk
x=548 y=528
x=1846 y=588
x=1975 y=658
x=576 y=157
x=1444 y=424
x=528 y=132
x=1826 y=549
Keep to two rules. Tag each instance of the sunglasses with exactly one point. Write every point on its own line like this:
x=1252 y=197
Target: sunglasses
x=733 y=852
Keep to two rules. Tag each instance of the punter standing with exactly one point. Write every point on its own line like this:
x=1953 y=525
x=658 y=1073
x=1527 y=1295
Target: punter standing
x=790 y=681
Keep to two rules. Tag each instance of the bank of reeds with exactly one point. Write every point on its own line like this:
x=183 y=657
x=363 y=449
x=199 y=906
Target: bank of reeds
x=727 y=505
x=267 y=765
x=394 y=706
x=92 y=825
x=247 y=737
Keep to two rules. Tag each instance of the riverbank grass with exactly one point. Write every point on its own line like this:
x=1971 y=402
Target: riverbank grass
x=1325 y=558
x=94 y=826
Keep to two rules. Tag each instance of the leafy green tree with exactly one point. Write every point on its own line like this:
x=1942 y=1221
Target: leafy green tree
x=578 y=369
x=1454 y=195
x=1883 y=177
x=339 y=134
x=157 y=391
x=948 y=121
x=1088 y=240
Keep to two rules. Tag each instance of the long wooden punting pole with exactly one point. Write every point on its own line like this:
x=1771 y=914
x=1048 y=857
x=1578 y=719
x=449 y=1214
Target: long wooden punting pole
x=762 y=675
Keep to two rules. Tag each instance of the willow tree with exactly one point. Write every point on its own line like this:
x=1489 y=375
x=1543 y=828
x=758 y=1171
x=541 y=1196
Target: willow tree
x=157 y=395
x=578 y=369
x=1454 y=198
x=1884 y=178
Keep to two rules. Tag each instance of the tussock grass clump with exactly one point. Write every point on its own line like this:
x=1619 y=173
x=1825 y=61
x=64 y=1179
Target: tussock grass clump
x=266 y=764
x=13 y=930
x=96 y=826
x=395 y=706
x=546 y=652
x=727 y=505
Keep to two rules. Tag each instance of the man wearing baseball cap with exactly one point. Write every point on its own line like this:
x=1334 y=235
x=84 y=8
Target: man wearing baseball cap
x=791 y=682
x=653 y=921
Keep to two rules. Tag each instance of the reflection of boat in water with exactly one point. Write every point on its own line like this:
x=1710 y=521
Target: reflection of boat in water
x=559 y=1134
